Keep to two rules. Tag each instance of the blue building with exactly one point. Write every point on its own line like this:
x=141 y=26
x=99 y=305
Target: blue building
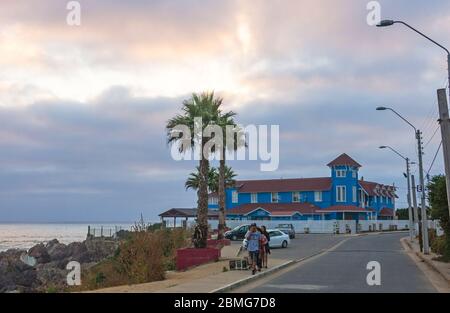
x=342 y=196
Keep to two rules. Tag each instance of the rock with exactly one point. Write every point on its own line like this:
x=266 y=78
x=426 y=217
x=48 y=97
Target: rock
x=48 y=272
x=14 y=274
x=58 y=252
x=50 y=276
x=39 y=252
x=51 y=243
x=100 y=249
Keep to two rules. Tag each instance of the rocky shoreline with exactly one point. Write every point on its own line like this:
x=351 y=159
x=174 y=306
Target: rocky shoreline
x=43 y=267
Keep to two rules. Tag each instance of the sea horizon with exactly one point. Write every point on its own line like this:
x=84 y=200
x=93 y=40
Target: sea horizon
x=24 y=235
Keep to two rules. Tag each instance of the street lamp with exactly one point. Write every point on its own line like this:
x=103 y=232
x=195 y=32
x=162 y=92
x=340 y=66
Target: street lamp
x=443 y=116
x=426 y=247
x=407 y=176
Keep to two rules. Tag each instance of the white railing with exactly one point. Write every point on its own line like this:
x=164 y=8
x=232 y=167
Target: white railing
x=328 y=226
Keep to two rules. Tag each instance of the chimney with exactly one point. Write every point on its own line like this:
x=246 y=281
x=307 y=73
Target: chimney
x=362 y=178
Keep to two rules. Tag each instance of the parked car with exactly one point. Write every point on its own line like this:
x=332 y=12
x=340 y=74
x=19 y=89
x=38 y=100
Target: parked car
x=287 y=229
x=237 y=233
x=278 y=239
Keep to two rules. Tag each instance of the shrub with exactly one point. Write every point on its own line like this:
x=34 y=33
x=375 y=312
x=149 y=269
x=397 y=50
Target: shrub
x=140 y=258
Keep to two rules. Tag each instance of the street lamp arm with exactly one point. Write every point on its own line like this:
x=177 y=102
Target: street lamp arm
x=423 y=35
x=404 y=119
x=398 y=153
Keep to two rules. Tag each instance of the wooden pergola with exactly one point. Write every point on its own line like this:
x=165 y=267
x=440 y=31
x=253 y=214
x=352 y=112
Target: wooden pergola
x=185 y=215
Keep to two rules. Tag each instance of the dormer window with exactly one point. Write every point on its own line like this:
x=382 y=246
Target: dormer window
x=234 y=196
x=341 y=173
x=296 y=196
x=275 y=197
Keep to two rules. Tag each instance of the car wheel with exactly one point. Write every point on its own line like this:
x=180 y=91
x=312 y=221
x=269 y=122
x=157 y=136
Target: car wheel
x=234 y=238
x=284 y=244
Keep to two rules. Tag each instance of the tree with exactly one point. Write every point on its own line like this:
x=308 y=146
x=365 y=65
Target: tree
x=402 y=214
x=213 y=179
x=193 y=181
x=437 y=196
x=206 y=107
x=225 y=121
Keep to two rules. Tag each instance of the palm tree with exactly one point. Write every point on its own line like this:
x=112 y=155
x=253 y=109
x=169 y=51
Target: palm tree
x=224 y=121
x=193 y=181
x=213 y=179
x=206 y=107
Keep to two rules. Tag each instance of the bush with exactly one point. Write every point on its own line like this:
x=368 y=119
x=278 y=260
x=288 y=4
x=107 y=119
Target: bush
x=140 y=258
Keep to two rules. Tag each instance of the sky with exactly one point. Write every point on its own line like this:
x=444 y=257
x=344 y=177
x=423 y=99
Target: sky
x=83 y=108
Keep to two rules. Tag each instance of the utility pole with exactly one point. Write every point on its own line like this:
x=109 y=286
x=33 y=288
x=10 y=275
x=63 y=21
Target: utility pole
x=426 y=247
x=414 y=203
x=416 y=211
x=444 y=121
x=410 y=213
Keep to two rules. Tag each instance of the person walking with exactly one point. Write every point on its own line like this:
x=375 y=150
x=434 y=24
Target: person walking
x=253 y=237
x=266 y=246
x=262 y=250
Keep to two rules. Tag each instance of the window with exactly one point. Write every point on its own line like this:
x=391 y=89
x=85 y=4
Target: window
x=318 y=196
x=254 y=198
x=354 y=174
x=234 y=196
x=274 y=197
x=213 y=201
x=354 y=194
x=340 y=194
x=296 y=196
x=341 y=173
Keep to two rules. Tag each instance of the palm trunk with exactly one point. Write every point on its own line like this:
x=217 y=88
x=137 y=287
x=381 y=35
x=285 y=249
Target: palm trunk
x=202 y=205
x=221 y=227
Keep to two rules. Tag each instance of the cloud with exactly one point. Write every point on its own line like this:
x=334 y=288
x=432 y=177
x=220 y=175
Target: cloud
x=82 y=110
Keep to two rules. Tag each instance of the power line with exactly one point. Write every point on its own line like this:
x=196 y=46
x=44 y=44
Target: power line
x=434 y=159
x=434 y=134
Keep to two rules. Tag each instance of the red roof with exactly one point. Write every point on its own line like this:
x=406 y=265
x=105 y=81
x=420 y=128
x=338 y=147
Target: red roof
x=386 y=212
x=343 y=208
x=344 y=159
x=275 y=208
x=284 y=185
x=368 y=187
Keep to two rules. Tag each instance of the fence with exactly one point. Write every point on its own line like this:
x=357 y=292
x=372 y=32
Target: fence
x=328 y=226
x=103 y=232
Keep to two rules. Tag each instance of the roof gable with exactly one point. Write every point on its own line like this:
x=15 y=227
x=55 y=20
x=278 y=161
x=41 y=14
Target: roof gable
x=344 y=159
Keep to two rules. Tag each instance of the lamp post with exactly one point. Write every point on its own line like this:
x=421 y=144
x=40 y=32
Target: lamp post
x=443 y=116
x=426 y=247
x=410 y=212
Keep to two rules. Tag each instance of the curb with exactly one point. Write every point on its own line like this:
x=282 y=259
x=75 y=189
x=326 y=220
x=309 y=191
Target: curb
x=425 y=260
x=251 y=278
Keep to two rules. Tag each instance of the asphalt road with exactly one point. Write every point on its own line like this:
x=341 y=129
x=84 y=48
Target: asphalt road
x=306 y=245
x=344 y=269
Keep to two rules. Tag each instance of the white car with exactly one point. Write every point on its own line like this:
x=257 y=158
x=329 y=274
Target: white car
x=278 y=239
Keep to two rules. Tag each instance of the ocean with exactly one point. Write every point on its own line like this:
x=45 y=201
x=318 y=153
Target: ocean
x=24 y=236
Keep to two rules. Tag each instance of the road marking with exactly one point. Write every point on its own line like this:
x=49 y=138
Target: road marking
x=296 y=286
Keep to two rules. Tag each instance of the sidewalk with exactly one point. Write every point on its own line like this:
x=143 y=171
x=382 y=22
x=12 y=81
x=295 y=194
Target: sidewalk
x=204 y=279
x=440 y=267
